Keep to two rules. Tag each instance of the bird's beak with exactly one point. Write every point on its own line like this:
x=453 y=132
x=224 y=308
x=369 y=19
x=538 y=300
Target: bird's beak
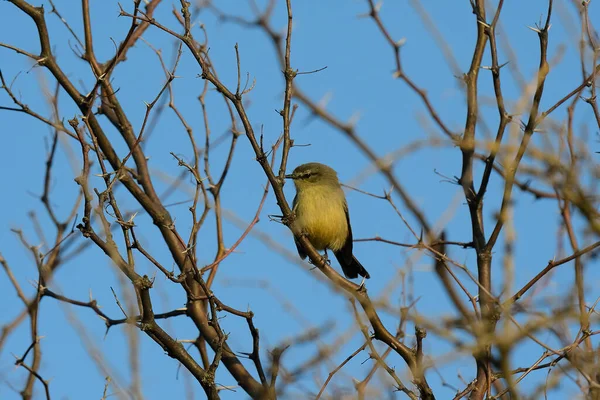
x=289 y=176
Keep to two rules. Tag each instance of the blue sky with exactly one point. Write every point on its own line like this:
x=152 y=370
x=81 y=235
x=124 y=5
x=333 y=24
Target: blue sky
x=286 y=297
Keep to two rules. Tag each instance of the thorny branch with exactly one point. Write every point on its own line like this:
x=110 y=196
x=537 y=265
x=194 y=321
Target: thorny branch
x=557 y=177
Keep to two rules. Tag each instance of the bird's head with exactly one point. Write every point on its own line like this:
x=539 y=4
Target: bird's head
x=311 y=174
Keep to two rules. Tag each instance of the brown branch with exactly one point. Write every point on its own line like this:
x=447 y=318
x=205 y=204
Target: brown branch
x=110 y=322
x=24 y=108
x=14 y=281
x=243 y=235
x=20 y=362
x=289 y=74
x=346 y=128
x=381 y=333
x=145 y=194
x=418 y=245
x=532 y=123
x=399 y=73
x=505 y=118
x=551 y=265
x=442 y=272
x=524 y=186
x=336 y=369
x=380 y=360
x=141 y=284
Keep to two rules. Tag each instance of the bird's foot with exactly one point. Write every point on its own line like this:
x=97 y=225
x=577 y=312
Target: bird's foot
x=326 y=258
x=362 y=287
x=276 y=218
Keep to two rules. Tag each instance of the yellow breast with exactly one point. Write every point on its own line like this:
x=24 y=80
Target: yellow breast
x=320 y=214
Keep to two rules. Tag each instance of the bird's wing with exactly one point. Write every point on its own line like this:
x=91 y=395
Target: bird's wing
x=301 y=252
x=346 y=250
x=350 y=265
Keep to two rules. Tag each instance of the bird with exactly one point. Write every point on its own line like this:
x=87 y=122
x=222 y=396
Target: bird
x=321 y=214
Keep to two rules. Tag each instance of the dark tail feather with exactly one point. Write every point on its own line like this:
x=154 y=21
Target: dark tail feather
x=352 y=268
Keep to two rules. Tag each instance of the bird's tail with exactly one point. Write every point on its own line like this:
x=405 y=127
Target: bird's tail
x=352 y=268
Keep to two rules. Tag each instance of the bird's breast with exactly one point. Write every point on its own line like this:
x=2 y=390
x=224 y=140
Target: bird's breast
x=321 y=215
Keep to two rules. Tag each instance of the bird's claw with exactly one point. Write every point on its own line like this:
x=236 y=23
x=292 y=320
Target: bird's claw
x=326 y=258
x=361 y=287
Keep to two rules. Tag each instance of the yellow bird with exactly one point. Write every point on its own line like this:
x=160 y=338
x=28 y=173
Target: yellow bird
x=322 y=215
